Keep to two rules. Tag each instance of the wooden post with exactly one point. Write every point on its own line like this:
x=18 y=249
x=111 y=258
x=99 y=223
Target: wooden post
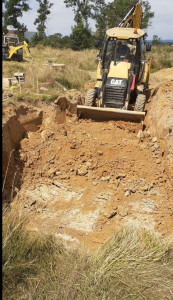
x=33 y=85
x=37 y=85
x=19 y=83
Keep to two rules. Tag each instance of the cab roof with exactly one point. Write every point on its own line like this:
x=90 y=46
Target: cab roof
x=11 y=35
x=125 y=33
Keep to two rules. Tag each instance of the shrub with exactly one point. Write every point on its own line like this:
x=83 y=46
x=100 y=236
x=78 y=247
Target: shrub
x=81 y=37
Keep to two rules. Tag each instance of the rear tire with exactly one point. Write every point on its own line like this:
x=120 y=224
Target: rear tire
x=5 y=53
x=20 y=55
x=90 y=97
x=140 y=102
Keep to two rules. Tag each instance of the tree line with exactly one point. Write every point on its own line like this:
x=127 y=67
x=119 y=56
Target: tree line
x=105 y=16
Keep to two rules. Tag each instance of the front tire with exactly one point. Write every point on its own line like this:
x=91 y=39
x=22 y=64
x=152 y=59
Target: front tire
x=90 y=97
x=140 y=102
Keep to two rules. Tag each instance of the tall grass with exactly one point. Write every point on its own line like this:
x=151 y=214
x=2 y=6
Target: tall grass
x=161 y=57
x=137 y=264
x=73 y=76
x=44 y=80
x=132 y=265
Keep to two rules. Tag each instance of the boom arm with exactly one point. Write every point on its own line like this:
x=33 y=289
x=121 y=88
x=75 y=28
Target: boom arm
x=13 y=50
x=133 y=18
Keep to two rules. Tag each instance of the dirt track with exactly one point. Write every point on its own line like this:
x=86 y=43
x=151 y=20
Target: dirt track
x=82 y=179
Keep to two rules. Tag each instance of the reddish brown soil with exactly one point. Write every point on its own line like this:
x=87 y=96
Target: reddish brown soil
x=81 y=180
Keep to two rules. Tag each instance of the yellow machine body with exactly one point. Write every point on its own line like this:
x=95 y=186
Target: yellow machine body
x=13 y=49
x=122 y=77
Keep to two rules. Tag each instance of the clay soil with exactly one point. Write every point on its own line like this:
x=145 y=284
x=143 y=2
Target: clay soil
x=82 y=179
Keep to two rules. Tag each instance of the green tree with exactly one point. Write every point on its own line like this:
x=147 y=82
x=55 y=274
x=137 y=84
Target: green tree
x=156 y=40
x=12 y=10
x=114 y=12
x=43 y=12
x=35 y=40
x=81 y=37
x=148 y=15
x=55 y=41
x=84 y=9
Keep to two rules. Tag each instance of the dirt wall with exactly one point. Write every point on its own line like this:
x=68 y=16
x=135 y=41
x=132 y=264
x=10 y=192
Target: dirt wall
x=17 y=121
x=159 y=118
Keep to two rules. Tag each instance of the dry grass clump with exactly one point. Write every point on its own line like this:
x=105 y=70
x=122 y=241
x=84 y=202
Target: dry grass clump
x=137 y=265
x=10 y=67
x=132 y=265
x=44 y=74
x=70 y=80
x=161 y=57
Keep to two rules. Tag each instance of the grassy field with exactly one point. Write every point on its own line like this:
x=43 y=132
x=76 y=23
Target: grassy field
x=42 y=81
x=161 y=57
x=132 y=265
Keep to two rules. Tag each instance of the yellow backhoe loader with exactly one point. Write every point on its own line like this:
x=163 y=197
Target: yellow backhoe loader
x=122 y=73
x=12 y=49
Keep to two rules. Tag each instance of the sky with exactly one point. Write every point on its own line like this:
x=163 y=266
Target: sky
x=61 y=18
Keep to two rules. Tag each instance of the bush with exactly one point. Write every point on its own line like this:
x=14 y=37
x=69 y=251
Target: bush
x=81 y=37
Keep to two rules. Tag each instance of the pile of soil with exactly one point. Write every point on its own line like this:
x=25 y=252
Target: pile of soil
x=80 y=179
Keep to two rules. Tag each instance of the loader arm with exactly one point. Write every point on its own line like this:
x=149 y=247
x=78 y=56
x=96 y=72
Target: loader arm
x=13 y=50
x=26 y=48
x=133 y=18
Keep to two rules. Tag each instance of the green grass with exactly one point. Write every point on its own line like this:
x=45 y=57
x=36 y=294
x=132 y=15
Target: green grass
x=132 y=265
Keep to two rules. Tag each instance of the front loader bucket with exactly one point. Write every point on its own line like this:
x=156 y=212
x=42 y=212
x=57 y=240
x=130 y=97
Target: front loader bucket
x=106 y=113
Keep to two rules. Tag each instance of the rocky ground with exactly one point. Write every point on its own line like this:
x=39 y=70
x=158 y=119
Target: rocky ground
x=81 y=179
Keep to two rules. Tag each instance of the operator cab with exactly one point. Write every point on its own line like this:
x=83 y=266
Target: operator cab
x=11 y=40
x=131 y=50
x=122 y=44
x=119 y=50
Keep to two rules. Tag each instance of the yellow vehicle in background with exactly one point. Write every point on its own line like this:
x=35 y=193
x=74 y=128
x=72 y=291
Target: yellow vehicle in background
x=12 y=49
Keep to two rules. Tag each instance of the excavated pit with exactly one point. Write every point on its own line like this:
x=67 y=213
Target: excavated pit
x=79 y=179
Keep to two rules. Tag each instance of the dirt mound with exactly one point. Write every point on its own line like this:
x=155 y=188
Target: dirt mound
x=82 y=179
